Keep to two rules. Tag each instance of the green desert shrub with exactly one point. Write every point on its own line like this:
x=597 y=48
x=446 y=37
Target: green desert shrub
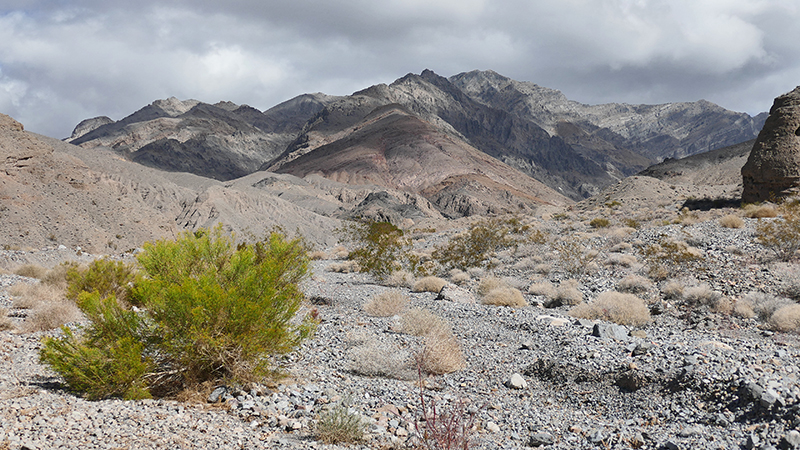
x=612 y=306
x=599 y=222
x=378 y=246
x=209 y=309
x=340 y=425
x=669 y=257
x=782 y=234
x=104 y=276
x=475 y=247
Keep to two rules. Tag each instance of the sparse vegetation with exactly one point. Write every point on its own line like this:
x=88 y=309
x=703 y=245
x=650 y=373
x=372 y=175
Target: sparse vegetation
x=574 y=256
x=612 y=306
x=731 y=221
x=782 y=234
x=504 y=296
x=475 y=247
x=567 y=294
x=386 y=304
x=441 y=353
x=31 y=271
x=599 y=222
x=634 y=284
x=378 y=246
x=787 y=318
x=668 y=257
x=210 y=309
x=340 y=425
x=429 y=284
x=760 y=211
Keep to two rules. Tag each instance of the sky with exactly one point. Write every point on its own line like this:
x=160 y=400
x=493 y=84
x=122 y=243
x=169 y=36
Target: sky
x=62 y=61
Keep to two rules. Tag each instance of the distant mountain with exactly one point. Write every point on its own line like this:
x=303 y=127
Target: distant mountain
x=574 y=149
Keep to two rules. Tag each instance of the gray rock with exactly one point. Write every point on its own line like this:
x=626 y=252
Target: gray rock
x=790 y=441
x=456 y=294
x=610 y=331
x=641 y=348
x=540 y=439
x=769 y=398
x=669 y=445
x=751 y=442
x=516 y=382
x=217 y=394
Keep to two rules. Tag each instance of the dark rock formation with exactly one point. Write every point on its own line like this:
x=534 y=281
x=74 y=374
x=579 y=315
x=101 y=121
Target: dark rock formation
x=773 y=168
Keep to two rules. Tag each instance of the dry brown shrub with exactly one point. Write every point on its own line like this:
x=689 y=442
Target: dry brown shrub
x=475 y=272
x=621 y=259
x=429 y=284
x=30 y=296
x=760 y=211
x=441 y=354
x=5 y=321
x=568 y=294
x=400 y=278
x=505 y=296
x=57 y=276
x=420 y=321
x=612 y=306
x=543 y=268
x=786 y=318
x=489 y=284
x=672 y=289
x=634 y=284
x=545 y=289
x=340 y=252
x=376 y=358
x=765 y=305
x=621 y=247
x=343 y=267
x=459 y=277
x=743 y=309
x=386 y=304
x=317 y=254
x=701 y=295
x=51 y=315
x=731 y=221
x=31 y=271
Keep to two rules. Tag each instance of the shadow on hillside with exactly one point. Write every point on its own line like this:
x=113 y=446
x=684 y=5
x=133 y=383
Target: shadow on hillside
x=707 y=204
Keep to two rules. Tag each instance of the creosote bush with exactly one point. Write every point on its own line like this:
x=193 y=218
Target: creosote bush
x=209 y=309
x=668 y=257
x=599 y=222
x=623 y=309
x=782 y=234
x=378 y=246
x=103 y=276
x=475 y=247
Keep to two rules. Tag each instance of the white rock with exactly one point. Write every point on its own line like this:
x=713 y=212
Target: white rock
x=516 y=382
x=493 y=427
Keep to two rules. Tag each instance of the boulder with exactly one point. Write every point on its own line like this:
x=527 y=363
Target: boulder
x=773 y=168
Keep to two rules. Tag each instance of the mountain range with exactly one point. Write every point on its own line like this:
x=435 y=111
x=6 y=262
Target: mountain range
x=574 y=149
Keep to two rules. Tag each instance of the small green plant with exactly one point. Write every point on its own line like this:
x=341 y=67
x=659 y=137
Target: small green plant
x=599 y=222
x=209 y=309
x=632 y=223
x=668 y=257
x=340 y=425
x=782 y=235
x=379 y=246
x=573 y=256
x=475 y=247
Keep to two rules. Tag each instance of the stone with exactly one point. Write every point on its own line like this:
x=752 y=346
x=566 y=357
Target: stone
x=773 y=168
x=516 y=382
x=553 y=321
x=752 y=442
x=493 y=427
x=669 y=445
x=769 y=398
x=456 y=294
x=217 y=394
x=540 y=439
x=610 y=331
x=641 y=348
x=790 y=441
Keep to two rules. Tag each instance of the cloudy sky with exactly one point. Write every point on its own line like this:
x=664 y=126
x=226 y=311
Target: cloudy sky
x=62 y=61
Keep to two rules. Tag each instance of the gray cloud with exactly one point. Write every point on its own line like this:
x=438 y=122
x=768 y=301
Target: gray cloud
x=63 y=61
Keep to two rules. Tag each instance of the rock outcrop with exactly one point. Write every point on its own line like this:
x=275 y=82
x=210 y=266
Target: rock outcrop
x=773 y=168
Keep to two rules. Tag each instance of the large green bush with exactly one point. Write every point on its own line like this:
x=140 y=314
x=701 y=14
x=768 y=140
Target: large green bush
x=208 y=309
x=379 y=247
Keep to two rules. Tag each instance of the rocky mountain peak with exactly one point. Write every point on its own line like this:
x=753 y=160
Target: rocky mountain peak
x=174 y=107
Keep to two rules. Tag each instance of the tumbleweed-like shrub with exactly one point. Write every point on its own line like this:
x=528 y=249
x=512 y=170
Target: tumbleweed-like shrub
x=386 y=304
x=504 y=296
x=612 y=306
x=209 y=309
x=786 y=318
x=429 y=284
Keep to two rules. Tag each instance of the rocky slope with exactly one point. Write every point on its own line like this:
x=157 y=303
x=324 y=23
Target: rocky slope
x=573 y=148
x=393 y=148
